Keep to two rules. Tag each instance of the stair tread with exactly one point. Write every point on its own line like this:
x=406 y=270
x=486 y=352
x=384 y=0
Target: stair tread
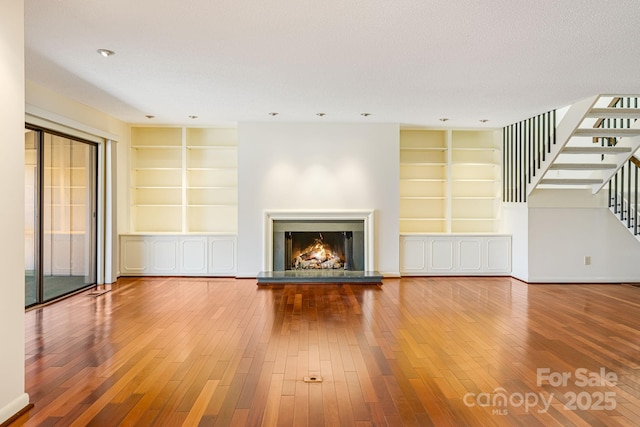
x=583 y=166
x=604 y=133
x=607 y=113
x=571 y=181
x=595 y=150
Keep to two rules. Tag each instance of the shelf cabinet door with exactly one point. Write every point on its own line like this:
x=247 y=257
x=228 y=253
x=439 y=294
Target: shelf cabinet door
x=447 y=254
x=193 y=255
x=178 y=255
x=164 y=255
x=413 y=255
x=134 y=255
x=222 y=255
x=149 y=255
x=498 y=259
x=469 y=255
x=441 y=255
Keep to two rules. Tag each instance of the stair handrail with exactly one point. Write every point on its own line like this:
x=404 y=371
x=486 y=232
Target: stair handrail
x=564 y=131
x=531 y=146
x=600 y=122
x=624 y=205
x=618 y=123
x=626 y=208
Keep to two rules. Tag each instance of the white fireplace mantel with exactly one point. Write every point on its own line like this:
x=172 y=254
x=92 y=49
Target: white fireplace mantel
x=367 y=216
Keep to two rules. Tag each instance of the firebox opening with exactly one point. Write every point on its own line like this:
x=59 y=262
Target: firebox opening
x=345 y=238
x=326 y=250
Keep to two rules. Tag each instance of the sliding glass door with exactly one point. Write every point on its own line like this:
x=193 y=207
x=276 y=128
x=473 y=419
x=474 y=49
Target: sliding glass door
x=63 y=216
x=31 y=217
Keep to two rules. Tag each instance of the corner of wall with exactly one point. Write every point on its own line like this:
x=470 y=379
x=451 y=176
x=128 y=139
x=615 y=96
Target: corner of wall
x=515 y=221
x=18 y=405
x=12 y=259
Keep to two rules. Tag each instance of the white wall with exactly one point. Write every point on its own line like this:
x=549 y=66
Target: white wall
x=56 y=105
x=515 y=221
x=560 y=238
x=556 y=229
x=329 y=166
x=12 y=392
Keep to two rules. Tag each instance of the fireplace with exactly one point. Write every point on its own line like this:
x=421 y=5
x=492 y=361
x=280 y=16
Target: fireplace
x=318 y=245
x=327 y=250
x=319 y=241
x=320 y=250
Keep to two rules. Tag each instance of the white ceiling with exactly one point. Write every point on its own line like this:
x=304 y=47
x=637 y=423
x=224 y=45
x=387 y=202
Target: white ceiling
x=404 y=61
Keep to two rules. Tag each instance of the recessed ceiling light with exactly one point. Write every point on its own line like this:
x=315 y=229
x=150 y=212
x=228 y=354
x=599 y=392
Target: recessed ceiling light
x=484 y=120
x=365 y=114
x=444 y=119
x=320 y=114
x=150 y=116
x=193 y=117
x=273 y=114
x=106 y=52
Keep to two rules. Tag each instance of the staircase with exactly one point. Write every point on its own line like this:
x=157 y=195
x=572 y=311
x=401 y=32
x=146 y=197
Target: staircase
x=593 y=139
x=590 y=145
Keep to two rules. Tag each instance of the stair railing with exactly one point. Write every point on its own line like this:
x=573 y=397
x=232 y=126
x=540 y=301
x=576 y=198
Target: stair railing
x=615 y=122
x=525 y=145
x=623 y=194
x=623 y=186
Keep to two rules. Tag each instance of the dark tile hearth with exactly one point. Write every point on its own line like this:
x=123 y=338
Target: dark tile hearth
x=319 y=276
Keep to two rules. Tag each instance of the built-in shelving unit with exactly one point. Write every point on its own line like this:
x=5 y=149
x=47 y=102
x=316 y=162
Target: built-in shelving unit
x=212 y=180
x=449 y=181
x=183 y=180
x=184 y=202
x=156 y=179
x=450 y=203
x=475 y=181
x=423 y=181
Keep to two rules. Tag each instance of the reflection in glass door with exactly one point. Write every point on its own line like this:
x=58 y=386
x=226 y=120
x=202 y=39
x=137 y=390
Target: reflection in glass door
x=64 y=251
x=31 y=139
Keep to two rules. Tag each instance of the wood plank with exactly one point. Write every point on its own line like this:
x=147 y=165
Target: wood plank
x=416 y=351
x=196 y=412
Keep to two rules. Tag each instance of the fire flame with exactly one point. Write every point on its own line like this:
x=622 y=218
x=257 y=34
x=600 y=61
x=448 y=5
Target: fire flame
x=317 y=255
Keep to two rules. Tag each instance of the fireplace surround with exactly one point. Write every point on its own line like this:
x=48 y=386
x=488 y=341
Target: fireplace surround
x=360 y=223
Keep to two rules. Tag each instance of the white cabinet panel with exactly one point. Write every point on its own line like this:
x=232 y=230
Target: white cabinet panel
x=451 y=254
x=413 y=255
x=222 y=258
x=193 y=252
x=177 y=255
x=441 y=256
x=470 y=255
x=164 y=256
x=134 y=256
x=499 y=254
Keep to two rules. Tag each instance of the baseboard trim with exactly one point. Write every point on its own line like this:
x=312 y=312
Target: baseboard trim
x=581 y=280
x=15 y=409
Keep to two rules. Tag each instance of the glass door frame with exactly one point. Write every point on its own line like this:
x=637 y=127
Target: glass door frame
x=39 y=232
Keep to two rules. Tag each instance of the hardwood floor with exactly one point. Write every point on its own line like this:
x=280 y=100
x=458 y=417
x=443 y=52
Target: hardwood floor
x=414 y=352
